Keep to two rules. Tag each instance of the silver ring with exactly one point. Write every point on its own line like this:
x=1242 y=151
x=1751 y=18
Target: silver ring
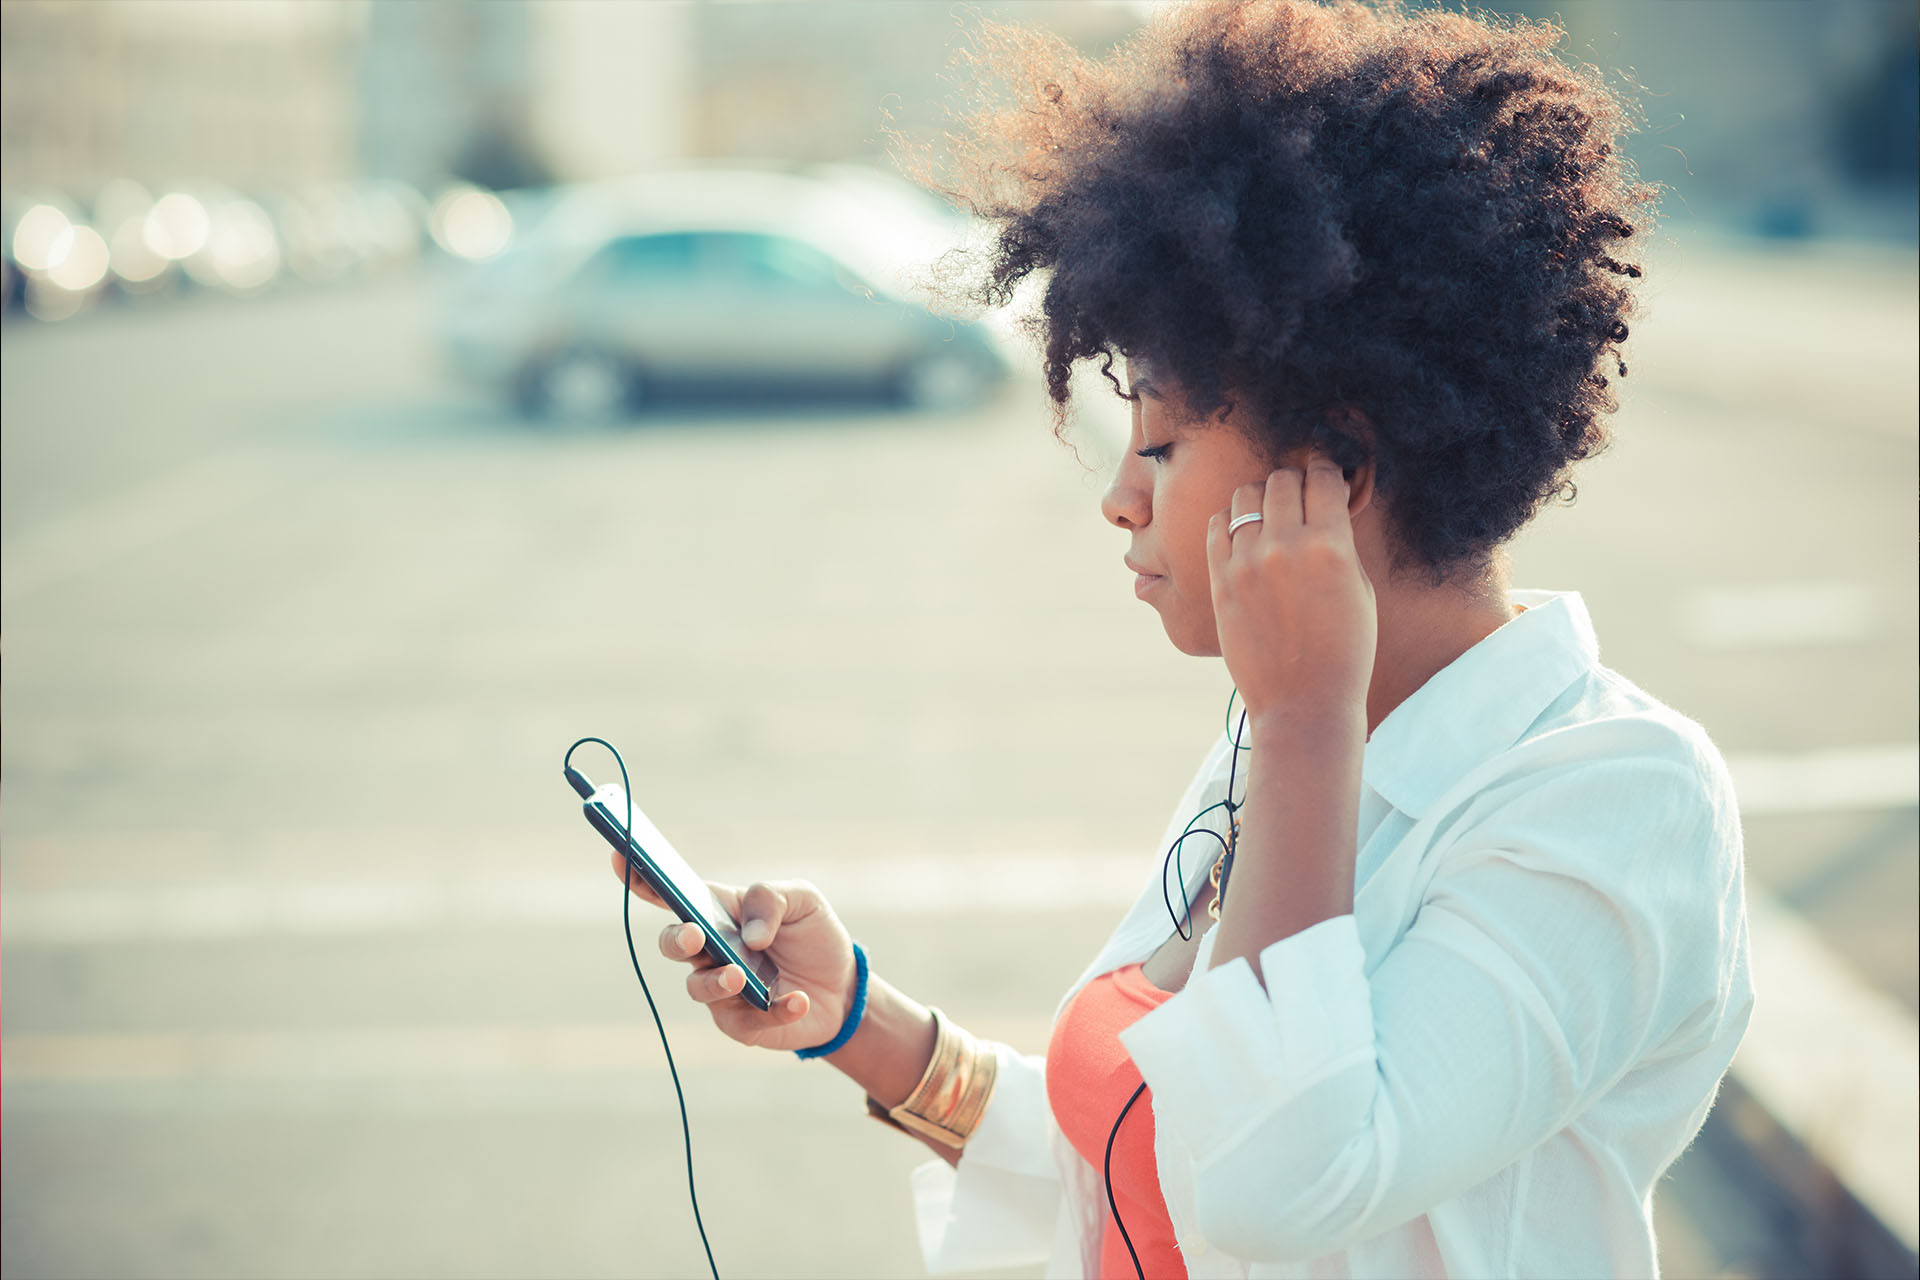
x=1252 y=517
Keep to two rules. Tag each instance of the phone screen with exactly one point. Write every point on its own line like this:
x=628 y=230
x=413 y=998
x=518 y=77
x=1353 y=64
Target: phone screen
x=658 y=853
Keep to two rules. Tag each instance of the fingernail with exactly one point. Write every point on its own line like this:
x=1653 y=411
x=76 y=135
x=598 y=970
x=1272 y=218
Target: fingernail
x=755 y=932
x=732 y=979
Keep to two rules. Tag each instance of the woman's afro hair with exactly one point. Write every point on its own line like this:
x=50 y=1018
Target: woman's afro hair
x=1404 y=237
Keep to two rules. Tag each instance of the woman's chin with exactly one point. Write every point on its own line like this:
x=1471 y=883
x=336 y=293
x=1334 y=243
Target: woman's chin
x=1193 y=640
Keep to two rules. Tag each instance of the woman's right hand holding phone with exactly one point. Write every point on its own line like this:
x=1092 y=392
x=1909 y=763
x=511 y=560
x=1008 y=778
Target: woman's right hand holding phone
x=793 y=924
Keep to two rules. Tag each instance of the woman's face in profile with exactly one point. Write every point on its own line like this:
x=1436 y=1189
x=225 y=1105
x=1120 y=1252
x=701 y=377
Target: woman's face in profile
x=1176 y=475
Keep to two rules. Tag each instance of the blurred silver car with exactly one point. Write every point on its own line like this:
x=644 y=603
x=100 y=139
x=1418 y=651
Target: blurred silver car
x=715 y=280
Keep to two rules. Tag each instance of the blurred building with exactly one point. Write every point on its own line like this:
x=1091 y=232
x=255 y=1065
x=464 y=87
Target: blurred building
x=444 y=87
x=513 y=94
x=251 y=93
x=1785 y=119
x=1776 y=117
x=810 y=81
x=611 y=85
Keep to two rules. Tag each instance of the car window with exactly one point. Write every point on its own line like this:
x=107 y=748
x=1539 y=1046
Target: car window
x=741 y=259
x=634 y=258
x=779 y=261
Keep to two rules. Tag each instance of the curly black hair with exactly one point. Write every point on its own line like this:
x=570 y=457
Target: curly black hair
x=1404 y=237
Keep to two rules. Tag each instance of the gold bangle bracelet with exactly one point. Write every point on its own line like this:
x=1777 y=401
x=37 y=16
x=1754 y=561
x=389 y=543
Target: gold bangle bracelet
x=972 y=1104
x=927 y=1109
x=948 y=1103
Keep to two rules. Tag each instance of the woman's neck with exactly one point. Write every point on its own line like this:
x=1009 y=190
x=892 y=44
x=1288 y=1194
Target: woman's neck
x=1423 y=629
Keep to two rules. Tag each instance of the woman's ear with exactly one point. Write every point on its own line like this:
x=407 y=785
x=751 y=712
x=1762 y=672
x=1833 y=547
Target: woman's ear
x=1347 y=439
x=1360 y=487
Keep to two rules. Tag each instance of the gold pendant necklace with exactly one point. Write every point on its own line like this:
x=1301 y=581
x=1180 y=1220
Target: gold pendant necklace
x=1222 y=868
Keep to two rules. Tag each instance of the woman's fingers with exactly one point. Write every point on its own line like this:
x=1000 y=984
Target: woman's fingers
x=685 y=942
x=767 y=906
x=1281 y=502
x=763 y=909
x=740 y=1020
x=1221 y=535
x=722 y=986
x=1218 y=549
x=727 y=896
x=1324 y=493
x=1246 y=501
x=709 y=986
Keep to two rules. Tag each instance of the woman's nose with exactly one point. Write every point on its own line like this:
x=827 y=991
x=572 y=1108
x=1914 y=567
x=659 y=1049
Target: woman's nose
x=1127 y=503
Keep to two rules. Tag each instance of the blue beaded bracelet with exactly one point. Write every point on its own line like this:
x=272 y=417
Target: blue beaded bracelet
x=854 y=1014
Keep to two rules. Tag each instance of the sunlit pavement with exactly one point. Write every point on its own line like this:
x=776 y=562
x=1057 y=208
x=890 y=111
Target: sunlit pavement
x=313 y=969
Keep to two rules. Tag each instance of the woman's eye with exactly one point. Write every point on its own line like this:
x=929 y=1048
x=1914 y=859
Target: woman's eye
x=1157 y=452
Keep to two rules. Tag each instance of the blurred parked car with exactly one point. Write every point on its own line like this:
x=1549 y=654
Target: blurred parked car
x=713 y=280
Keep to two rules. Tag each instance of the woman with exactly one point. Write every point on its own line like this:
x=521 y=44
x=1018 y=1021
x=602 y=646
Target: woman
x=1480 y=954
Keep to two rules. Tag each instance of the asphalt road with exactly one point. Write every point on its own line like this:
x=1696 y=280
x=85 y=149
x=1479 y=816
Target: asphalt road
x=312 y=969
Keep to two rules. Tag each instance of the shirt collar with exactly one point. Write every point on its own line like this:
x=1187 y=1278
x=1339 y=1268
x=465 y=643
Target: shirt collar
x=1481 y=702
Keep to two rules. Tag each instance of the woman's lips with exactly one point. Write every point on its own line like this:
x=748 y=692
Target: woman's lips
x=1142 y=580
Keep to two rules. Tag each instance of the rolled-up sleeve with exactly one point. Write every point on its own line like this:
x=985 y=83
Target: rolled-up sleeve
x=1563 y=934
x=1000 y=1206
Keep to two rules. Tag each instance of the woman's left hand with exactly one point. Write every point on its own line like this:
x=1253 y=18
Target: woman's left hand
x=1292 y=607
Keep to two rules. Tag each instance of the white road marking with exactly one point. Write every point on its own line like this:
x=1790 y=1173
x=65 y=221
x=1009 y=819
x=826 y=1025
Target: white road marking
x=392 y=1052
x=204 y=912
x=1836 y=779
x=1780 y=614
x=468 y=1068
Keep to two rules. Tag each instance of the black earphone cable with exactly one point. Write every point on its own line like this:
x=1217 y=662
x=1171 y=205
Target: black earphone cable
x=626 y=924
x=1182 y=925
x=1107 y=1173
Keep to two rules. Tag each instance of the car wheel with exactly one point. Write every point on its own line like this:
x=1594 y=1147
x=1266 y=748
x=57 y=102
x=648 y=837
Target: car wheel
x=942 y=378
x=580 y=385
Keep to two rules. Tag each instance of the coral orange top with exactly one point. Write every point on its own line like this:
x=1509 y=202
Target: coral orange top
x=1089 y=1079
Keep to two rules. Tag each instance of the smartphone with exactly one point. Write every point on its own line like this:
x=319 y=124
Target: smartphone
x=655 y=860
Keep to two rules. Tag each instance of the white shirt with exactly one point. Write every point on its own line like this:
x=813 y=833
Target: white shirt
x=1486 y=1067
